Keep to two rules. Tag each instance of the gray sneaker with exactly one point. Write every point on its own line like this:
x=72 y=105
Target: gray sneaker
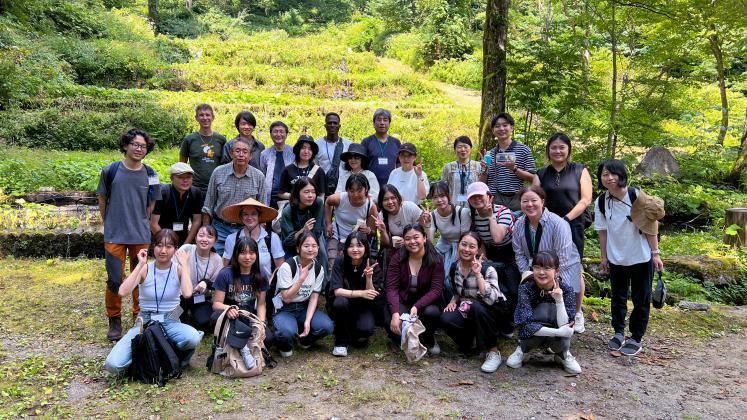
x=616 y=342
x=631 y=347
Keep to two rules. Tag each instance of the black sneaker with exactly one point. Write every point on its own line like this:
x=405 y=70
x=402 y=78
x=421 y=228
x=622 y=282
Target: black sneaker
x=616 y=342
x=631 y=347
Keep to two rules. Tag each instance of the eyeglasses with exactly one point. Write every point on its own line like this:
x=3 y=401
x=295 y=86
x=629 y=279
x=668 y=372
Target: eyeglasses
x=542 y=269
x=139 y=146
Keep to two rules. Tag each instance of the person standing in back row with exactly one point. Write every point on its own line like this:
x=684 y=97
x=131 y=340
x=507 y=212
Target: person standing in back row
x=245 y=124
x=204 y=148
x=512 y=164
x=274 y=160
x=127 y=192
x=331 y=148
x=381 y=148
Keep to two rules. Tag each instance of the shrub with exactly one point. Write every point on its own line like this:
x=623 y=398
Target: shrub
x=466 y=73
x=406 y=48
x=364 y=34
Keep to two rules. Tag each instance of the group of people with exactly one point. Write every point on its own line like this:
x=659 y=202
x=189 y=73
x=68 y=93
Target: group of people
x=271 y=230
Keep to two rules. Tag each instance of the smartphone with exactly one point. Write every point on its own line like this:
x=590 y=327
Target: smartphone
x=506 y=157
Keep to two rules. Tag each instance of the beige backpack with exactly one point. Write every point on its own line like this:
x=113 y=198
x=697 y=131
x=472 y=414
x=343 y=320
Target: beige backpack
x=226 y=359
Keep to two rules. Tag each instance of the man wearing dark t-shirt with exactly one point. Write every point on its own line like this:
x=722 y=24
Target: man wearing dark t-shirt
x=204 y=148
x=127 y=192
x=381 y=148
x=179 y=206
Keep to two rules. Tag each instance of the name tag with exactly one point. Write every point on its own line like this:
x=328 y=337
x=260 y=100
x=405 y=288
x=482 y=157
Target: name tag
x=383 y=161
x=157 y=317
x=153 y=180
x=178 y=226
x=462 y=198
x=198 y=298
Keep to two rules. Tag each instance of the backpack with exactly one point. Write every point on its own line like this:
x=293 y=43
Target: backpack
x=112 y=172
x=268 y=242
x=227 y=360
x=632 y=196
x=155 y=358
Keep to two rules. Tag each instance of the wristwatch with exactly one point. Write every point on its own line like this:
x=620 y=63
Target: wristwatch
x=655 y=252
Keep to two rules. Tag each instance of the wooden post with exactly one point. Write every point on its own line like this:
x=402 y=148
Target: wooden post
x=736 y=216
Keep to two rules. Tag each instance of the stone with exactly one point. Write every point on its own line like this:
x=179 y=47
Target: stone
x=658 y=160
x=720 y=271
x=694 y=306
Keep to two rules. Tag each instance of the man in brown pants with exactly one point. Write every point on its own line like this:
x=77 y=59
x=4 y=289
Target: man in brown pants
x=127 y=192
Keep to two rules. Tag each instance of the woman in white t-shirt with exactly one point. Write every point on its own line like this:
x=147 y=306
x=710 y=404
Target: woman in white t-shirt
x=205 y=265
x=629 y=255
x=299 y=284
x=409 y=178
x=254 y=215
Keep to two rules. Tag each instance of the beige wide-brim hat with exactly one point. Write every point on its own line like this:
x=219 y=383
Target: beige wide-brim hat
x=646 y=212
x=232 y=213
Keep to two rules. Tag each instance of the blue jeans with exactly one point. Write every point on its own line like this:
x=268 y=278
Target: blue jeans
x=289 y=322
x=223 y=229
x=120 y=358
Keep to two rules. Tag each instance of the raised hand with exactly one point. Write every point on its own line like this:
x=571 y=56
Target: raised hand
x=309 y=225
x=419 y=170
x=142 y=256
x=556 y=291
x=379 y=223
x=368 y=271
x=476 y=266
x=183 y=257
x=304 y=272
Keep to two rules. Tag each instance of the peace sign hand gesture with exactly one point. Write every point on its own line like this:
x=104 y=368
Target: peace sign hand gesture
x=368 y=271
x=556 y=292
x=476 y=266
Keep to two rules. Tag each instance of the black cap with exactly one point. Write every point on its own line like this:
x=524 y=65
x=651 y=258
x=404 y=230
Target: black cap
x=409 y=148
x=239 y=334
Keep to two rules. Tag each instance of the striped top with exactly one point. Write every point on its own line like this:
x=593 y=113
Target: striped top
x=556 y=237
x=503 y=216
x=500 y=179
x=465 y=286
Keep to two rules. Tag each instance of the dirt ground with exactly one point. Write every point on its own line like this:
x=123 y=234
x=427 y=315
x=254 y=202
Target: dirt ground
x=52 y=349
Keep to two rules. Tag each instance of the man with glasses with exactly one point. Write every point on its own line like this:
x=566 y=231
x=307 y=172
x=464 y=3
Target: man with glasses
x=232 y=183
x=127 y=192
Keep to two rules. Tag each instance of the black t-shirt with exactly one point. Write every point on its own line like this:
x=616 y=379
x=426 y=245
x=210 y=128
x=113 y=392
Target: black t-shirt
x=245 y=298
x=291 y=173
x=173 y=208
x=356 y=280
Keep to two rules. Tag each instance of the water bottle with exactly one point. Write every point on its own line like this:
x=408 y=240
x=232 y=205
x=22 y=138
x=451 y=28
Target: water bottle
x=246 y=353
x=488 y=159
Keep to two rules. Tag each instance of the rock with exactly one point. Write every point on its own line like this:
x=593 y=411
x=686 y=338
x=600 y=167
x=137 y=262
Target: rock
x=719 y=271
x=658 y=160
x=694 y=306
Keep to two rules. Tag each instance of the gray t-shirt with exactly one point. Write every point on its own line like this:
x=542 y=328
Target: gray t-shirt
x=127 y=220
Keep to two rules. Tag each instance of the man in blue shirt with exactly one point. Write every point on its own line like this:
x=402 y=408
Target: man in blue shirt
x=381 y=148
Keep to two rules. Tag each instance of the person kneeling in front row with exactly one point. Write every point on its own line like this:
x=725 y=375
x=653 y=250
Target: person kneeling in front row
x=546 y=303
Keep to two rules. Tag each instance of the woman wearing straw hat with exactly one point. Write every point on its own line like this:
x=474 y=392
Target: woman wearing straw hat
x=305 y=150
x=626 y=220
x=356 y=162
x=253 y=214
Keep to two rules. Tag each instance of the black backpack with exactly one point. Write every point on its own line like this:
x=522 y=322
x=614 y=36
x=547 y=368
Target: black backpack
x=155 y=358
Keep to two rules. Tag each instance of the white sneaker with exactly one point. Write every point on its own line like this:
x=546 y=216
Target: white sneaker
x=569 y=363
x=492 y=362
x=578 y=325
x=435 y=350
x=288 y=353
x=340 y=351
x=517 y=358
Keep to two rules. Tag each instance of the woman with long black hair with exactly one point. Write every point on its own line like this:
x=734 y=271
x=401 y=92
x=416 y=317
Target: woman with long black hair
x=355 y=287
x=414 y=285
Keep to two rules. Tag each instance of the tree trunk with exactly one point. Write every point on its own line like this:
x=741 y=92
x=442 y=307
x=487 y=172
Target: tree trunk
x=153 y=11
x=715 y=43
x=586 y=54
x=612 y=133
x=740 y=165
x=495 y=36
x=736 y=216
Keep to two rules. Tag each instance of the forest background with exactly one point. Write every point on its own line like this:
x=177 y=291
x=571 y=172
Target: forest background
x=619 y=76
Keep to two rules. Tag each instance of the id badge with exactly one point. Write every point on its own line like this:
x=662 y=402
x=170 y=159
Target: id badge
x=178 y=227
x=383 y=161
x=277 y=301
x=198 y=298
x=157 y=317
x=153 y=180
x=461 y=198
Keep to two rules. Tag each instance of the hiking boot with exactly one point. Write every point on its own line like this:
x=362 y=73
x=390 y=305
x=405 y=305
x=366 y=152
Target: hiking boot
x=492 y=362
x=578 y=323
x=631 y=347
x=340 y=351
x=569 y=363
x=516 y=359
x=115 y=329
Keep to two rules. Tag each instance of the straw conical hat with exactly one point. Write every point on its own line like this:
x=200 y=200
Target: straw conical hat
x=232 y=213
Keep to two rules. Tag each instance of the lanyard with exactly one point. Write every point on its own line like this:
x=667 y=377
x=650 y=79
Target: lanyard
x=197 y=268
x=463 y=177
x=382 y=146
x=174 y=192
x=533 y=242
x=326 y=146
x=155 y=285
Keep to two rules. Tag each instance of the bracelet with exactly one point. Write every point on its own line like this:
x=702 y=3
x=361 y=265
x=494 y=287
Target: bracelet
x=655 y=252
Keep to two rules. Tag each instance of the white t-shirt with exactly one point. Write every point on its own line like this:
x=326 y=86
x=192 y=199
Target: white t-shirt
x=409 y=213
x=311 y=284
x=265 y=255
x=201 y=268
x=625 y=244
x=407 y=184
